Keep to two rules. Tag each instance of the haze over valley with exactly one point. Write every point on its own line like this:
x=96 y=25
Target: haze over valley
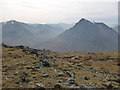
x=84 y=36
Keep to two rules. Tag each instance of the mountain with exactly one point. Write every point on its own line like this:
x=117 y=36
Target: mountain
x=17 y=33
x=84 y=36
x=15 y=29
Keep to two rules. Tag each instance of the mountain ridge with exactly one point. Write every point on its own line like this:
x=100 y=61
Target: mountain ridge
x=85 y=36
x=17 y=33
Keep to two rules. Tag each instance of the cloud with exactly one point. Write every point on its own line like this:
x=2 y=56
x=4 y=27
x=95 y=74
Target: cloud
x=55 y=11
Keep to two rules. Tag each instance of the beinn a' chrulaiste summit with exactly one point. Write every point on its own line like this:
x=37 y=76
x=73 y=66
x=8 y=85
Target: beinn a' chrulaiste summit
x=85 y=36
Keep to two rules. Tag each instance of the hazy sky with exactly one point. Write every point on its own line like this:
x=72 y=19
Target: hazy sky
x=59 y=11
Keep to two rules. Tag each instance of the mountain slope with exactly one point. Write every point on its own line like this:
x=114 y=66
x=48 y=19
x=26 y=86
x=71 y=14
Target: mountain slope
x=15 y=33
x=19 y=33
x=23 y=67
x=15 y=29
x=85 y=36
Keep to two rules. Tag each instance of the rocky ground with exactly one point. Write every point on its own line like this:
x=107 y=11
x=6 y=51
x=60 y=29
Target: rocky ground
x=24 y=67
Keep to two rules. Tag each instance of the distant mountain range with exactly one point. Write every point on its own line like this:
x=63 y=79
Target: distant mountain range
x=16 y=33
x=84 y=36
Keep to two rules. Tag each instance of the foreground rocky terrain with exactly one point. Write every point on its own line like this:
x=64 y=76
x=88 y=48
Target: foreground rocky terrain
x=24 y=67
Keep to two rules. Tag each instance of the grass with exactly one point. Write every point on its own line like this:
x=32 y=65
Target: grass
x=16 y=62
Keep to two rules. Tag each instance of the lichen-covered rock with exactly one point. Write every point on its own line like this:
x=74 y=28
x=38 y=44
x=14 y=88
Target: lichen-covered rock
x=42 y=64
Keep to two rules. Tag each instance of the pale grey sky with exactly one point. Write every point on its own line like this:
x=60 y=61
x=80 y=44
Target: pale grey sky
x=59 y=11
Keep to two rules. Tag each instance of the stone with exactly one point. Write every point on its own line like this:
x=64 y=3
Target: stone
x=42 y=64
x=70 y=73
x=45 y=75
x=60 y=74
x=78 y=64
x=88 y=85
x=57 y=86
x=71 y=81
x=95 y=76
x=109 y=86
x=87 y=78
x=45 y=57
x=39 y=84
x=21 y=86
x=75 y=57
x=39 y=65
x=31 y=82
x=31 y=51
x=34 y=52
x=17 y=82
x=24 y=77
x=30 y=67
x=45 y=64
x=21 y=46
x=7 y=46
x=59 y=81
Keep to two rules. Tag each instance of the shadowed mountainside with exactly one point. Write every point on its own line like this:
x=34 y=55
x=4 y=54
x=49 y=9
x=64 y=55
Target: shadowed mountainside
x=84 y=36
x=19 y=33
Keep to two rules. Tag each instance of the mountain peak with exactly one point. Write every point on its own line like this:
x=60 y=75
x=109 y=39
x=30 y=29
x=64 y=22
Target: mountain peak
x=83 y=19
x=11 y=22
x=82 y=22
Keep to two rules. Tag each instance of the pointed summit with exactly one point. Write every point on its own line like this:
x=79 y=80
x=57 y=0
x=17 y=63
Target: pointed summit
x=83 y=19
x=83 y=22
